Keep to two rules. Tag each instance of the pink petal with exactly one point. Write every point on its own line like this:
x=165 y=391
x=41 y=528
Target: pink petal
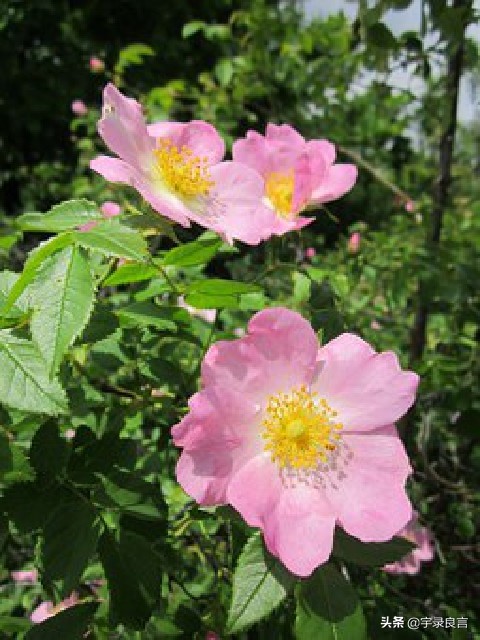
x=338 y=179
x=367 y=389
x=297 y=523
x=252 y=151
x=321 y=149
x=123 y=128
x=277 y=354
x=114 y=170
x=284 y=134
x=238 y=210
x=370 y=502
x=42 y=612
x=200 y=137
x=302 y=183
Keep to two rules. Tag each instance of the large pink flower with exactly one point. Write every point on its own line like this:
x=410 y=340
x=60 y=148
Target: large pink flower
x=422 y=538
x=47 y=609
x=177 y=168
x=299 y=437
x=297 y=174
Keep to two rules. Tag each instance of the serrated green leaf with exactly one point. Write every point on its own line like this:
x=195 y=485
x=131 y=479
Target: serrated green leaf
x=130 y=494
x=219 y=287
x=69 y=624
x=129 y=273
x=371 y=554
x=61 y=217
x=24 y=383
x=62 y=298
x=328 y=608
x=114 y=239
x=260 y=583
x=134 y=578
x=70 y=538
x=193 y=253
x=148 y=314
x=33 y=262
x=49 y=452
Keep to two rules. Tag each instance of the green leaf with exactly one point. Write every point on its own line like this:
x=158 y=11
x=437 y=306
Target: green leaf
x=371 y=554
x=14 y=465
x=114 y=239
x=203 y=301
x=149 y=314
x=61 y=217
x=69 y=624
x=260 y=583
x=132 y=495
x=380 y=36
x=24 y=383
x=132 y=54
x=62 y=297
x=328 y=608
x=219 y=287
x=192 y=27
x=134 y=578
x=28 y=507
x=34 y=260
x=193 y=253
x=128 y=273
x=70 y=538
x=224 y=71
x=11 y=625
x=49 y=452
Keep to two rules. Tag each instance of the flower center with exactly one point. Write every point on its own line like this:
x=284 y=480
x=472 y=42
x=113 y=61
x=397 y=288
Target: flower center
x=300 y=430
x=279 y=191
x=186 y=174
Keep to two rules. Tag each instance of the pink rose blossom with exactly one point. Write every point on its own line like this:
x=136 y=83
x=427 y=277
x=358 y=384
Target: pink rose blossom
x=354 y=242
x=79 y=108
x=109 y=210
x=310 y=253
x=25 y=577
x=422 y=538
x=96 y=65
x=46 y=610
x=297 y=174
x=409 y=206
x=299 y=438
x=177 y=168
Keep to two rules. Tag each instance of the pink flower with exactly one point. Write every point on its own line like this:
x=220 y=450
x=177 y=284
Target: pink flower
x=375 y=325
x=25 y=577
x=310 y=253
x=79 y=108
x=409 y=206
x=177 y=168
x=109 y=210
x=96 y=65
x=211 y=635
x=424 y=552
x=354 y=242
x=297 y=174
x=46 y=610
x=299 y=438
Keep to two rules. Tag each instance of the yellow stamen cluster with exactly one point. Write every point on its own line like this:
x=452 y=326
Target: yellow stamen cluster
x=279 y=190
x=300 y=429
x=185 y=174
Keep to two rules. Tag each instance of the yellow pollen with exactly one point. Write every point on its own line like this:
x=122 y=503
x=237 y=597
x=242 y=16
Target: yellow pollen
x=186 y=174
x=300 y=431
x=279 y=190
